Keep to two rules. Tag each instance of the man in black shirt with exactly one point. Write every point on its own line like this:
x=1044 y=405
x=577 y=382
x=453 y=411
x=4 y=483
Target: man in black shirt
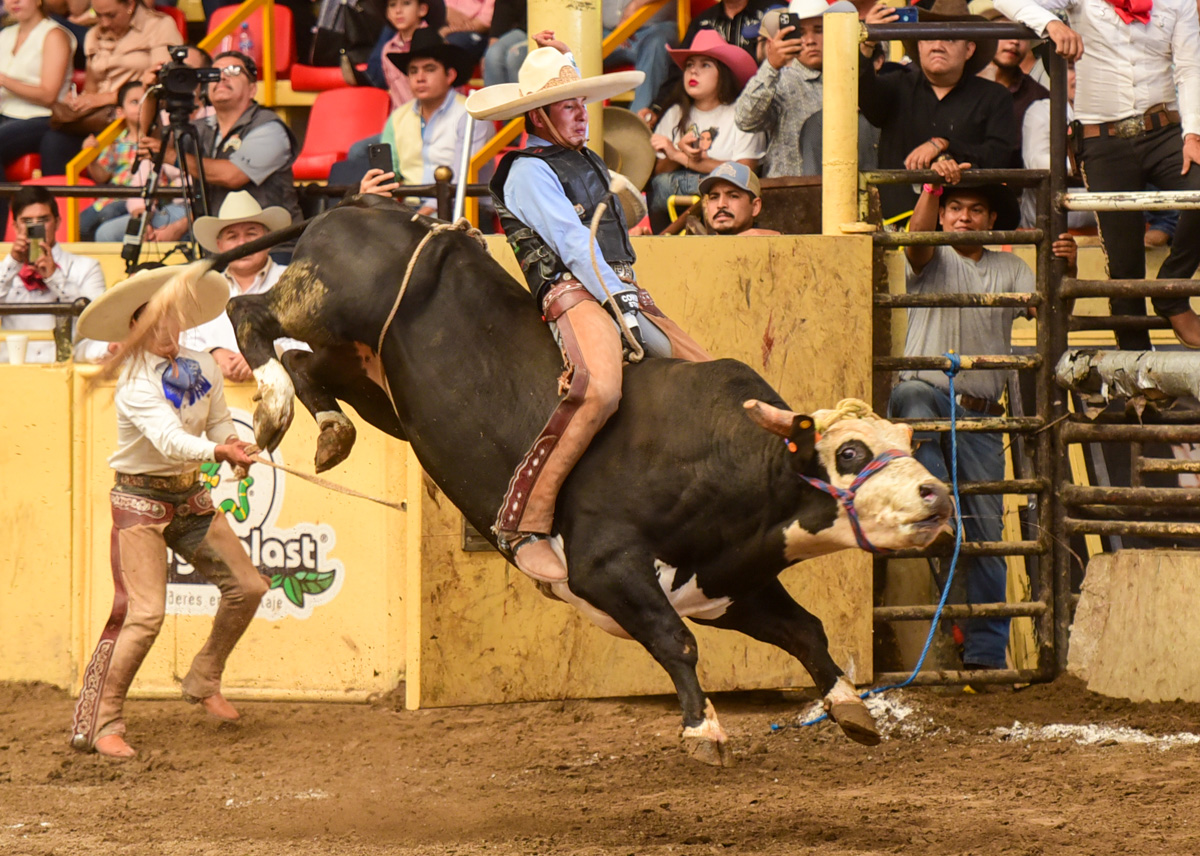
x=936 y=107
x=730 y=18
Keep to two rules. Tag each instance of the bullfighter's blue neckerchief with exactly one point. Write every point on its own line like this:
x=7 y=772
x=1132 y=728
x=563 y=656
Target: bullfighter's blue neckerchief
x=182 y=377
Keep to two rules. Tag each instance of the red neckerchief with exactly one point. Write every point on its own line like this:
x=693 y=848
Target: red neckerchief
x=33 y=281
x=1133 y=10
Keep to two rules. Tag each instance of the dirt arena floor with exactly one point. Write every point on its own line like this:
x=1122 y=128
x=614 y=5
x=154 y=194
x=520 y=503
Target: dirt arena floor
x=954 y=775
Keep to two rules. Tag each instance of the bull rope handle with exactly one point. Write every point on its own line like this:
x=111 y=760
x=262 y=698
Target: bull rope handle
x=325 y=483
x=636 y=352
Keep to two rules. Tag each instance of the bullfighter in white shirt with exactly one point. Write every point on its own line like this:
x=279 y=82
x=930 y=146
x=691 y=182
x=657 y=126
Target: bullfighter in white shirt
x=1137 y=111
x=55 y=277
x=171 y=417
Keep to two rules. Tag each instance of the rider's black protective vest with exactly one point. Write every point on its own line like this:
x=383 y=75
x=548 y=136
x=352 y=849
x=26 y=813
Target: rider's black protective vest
x=585 y=179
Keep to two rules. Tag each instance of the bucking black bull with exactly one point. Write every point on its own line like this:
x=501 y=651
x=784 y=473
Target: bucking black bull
x=683 y=506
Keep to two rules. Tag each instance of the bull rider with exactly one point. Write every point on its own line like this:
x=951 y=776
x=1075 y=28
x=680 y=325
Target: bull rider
x=546 y=194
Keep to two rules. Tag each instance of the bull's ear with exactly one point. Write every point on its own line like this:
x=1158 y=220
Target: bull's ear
x=802 y=442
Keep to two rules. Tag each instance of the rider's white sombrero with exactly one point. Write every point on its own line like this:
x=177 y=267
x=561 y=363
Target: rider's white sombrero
x=546 y=77
x=107 y=318
x=239 y=207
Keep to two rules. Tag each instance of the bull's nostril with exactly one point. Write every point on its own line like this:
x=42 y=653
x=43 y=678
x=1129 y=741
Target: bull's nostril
x=934 y=493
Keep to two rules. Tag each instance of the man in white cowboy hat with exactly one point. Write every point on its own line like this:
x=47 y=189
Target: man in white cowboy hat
x=938 y=107
x=786 y=89
x=171 y=417
x=240 y=220
x=546 y=195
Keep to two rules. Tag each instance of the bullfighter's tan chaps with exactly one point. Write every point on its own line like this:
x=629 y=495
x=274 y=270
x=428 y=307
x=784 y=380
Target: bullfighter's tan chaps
x=145 y=522
x=592 y=353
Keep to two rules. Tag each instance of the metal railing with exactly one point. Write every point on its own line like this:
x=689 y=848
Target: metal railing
x=1037 y=519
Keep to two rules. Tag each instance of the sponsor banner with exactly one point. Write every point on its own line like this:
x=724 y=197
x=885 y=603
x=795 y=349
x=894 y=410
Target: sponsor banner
x=296 y=559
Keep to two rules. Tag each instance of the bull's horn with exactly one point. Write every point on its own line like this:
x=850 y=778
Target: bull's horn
x=774 y=419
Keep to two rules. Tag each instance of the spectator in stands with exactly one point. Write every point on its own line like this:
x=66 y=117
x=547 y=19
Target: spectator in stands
x=732 y=199
x=245 y=147
x=404 y=17
x=936 y=107
x=507 y=43
x=1141 y=62
x=47 y=274
x=644 y=49
x=127 y=40
x=698 y=133
x=467 y=25
x=786 y=90
x=117 y=163
x=924 y=394
x=1035 y=152
x=35 y=71
x=240 y=220
x=1007 y=69
x=736 y=21
x=429 y=131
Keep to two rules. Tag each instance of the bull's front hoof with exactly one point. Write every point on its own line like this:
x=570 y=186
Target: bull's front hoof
x=270 y=426
x=274 y=412
x=335 y=440
x=856 y=722
x=715 y=753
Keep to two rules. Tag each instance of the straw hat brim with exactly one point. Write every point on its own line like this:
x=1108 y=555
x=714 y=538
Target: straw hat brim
x=207 y=228
x=505 y=101
x=106 y=319
x=627 y=148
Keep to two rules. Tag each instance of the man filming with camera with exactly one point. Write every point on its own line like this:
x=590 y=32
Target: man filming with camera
x=244 y=146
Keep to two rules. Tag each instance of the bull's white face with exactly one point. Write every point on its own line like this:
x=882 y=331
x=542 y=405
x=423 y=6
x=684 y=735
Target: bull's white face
x=900 y=506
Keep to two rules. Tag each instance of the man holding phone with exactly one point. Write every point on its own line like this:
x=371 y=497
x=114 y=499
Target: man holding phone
x=38 y=270
x=786 y=90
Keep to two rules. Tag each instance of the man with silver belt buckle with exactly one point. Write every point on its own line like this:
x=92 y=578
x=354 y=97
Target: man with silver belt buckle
x=973 y=331
x=1137 y=110
x=171 y=417
x=546 y=195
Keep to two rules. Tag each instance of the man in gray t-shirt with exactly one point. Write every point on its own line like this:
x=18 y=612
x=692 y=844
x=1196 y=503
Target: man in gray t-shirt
x=970 y=332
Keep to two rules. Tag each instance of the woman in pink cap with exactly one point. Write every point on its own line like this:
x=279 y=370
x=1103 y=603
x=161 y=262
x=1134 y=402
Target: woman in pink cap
x=697 y=132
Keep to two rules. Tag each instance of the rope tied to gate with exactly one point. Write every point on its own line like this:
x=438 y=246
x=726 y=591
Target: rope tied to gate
x=951 y=372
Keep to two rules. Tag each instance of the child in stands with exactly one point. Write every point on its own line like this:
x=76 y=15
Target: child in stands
x=404 y=17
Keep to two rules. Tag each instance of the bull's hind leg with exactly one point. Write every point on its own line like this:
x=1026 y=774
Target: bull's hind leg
x=257 y=328
x=327 y=375
x=627 y=590
x=771 y=615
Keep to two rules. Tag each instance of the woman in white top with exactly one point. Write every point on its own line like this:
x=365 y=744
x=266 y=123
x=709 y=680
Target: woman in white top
x=35 y=70
x=697 y=133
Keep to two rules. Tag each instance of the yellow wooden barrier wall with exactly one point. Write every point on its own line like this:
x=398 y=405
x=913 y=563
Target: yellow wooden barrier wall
x=411 y=605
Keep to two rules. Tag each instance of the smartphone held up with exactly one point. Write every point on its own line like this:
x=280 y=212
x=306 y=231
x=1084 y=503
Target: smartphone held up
x=37 y=240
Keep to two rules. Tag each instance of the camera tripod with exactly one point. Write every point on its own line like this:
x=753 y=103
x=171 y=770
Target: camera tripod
x=181 y=134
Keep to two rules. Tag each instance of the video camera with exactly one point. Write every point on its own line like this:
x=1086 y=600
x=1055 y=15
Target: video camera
x=179 y=81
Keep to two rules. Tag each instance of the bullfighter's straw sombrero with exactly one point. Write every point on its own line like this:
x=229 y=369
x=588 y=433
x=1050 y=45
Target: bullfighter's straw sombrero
x=107 y=318
x=546 y=77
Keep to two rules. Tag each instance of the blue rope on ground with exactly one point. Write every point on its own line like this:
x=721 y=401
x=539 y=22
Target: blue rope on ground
x=955 y=366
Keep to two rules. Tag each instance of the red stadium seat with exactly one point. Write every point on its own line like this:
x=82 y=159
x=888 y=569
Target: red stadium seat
x=285 y=37
x=61 y=234
x=23 y=168
x=339 y=118
x=317 y=78
x=177 y=16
